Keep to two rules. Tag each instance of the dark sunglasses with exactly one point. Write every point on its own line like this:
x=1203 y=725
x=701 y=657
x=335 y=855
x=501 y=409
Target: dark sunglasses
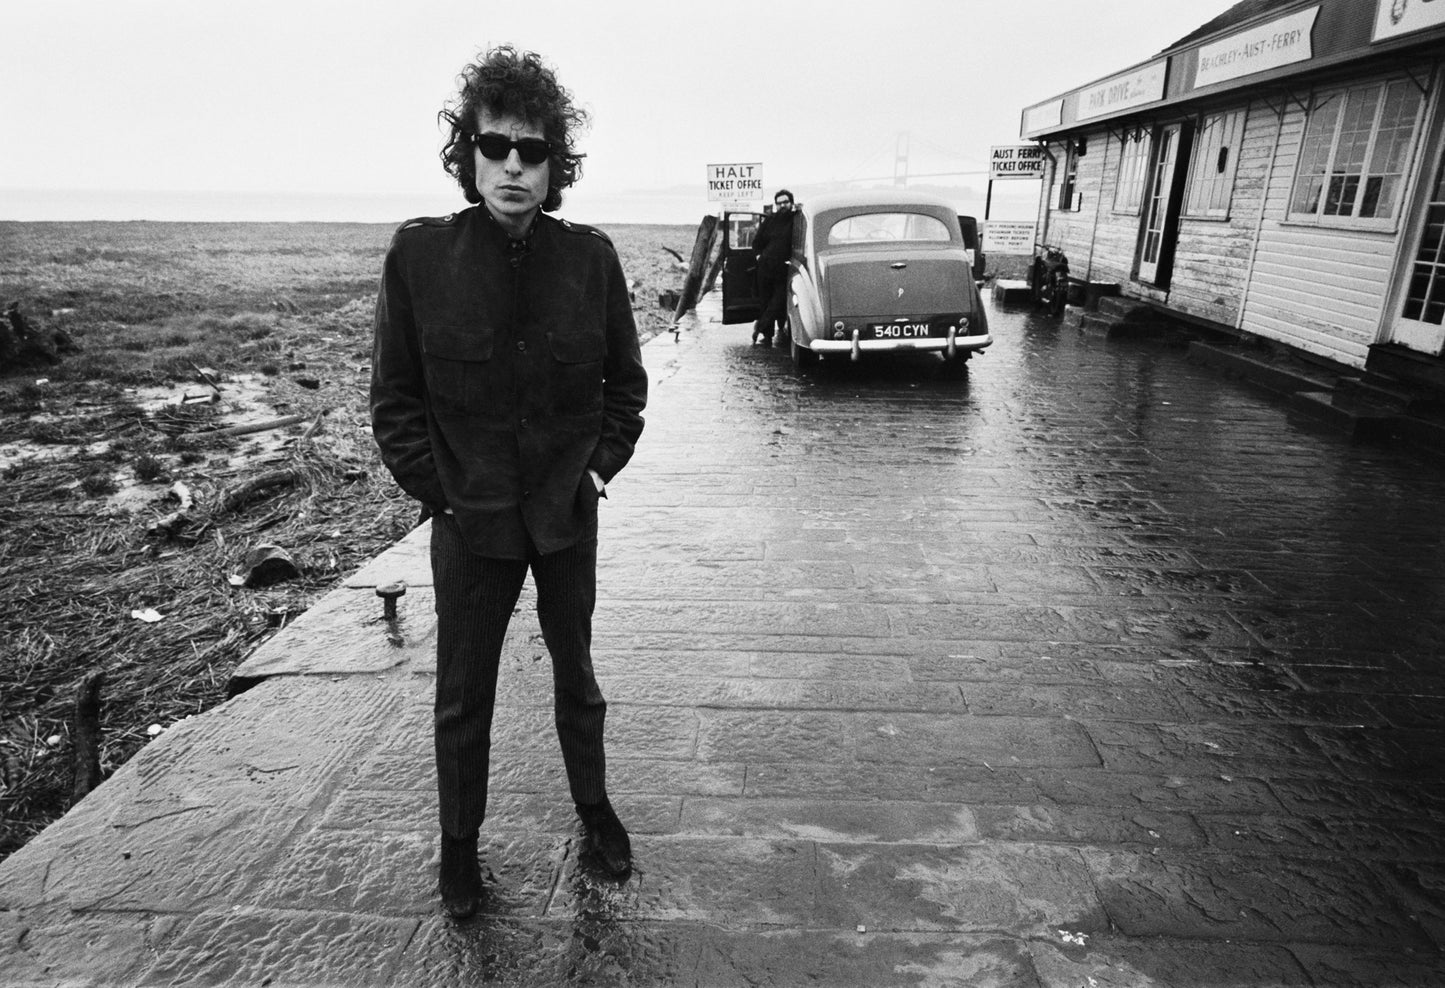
x=495 y=147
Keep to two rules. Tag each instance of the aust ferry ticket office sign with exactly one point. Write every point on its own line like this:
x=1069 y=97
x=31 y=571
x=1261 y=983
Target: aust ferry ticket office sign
x=1010 y=161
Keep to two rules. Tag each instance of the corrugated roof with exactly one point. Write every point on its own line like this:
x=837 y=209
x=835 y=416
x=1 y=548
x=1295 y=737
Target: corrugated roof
x=1245 y=10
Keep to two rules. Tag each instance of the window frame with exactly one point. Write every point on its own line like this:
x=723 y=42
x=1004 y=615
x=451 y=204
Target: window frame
x=1217 y=134
x=1335 y=103
x=1068 y=201
x=1143 y=140
x=909 y=218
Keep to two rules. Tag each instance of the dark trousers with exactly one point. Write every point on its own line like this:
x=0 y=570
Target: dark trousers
x=475 y=597
x=772 y=297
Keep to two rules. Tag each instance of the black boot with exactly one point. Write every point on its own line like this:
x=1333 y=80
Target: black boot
x=609 y=838
x=460 y=878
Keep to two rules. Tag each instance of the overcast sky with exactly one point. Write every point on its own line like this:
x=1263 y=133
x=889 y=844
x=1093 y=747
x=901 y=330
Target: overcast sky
x=323 y=96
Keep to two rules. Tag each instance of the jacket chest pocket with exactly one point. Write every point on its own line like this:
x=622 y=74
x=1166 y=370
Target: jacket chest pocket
x=457 y=363
x=576 y=371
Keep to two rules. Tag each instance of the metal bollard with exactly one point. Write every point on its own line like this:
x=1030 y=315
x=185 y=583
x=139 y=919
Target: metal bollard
x=389 y=592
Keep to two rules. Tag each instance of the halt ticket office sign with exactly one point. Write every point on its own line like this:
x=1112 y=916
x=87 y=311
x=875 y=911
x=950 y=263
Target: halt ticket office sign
x=1015 y=161
x=1006 y=237
x=735 y=183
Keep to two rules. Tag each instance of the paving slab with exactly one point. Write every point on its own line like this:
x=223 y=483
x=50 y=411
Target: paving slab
x=1087 y=669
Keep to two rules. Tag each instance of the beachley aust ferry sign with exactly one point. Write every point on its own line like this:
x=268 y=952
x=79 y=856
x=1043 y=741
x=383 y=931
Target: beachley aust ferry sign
x=1268 y=46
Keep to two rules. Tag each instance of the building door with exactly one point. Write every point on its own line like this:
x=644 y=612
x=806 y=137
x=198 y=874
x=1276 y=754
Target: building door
x=1419 y=323
x=1161 y=206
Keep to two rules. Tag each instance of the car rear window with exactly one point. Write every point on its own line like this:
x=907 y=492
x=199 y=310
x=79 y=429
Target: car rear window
x=875 y=227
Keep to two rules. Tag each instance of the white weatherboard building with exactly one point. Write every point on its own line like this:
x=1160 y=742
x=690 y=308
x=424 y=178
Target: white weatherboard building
x=1278 y=172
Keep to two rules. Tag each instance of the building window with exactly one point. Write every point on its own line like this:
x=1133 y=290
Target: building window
x=1069 y=188
x=1353 y=156
x=1212 y=164
x=1133 y=167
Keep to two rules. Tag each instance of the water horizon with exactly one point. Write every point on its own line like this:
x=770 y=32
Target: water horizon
x=670 y=207
x=96 y=206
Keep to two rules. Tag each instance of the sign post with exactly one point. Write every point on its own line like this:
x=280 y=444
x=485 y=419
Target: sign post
x=1008 y=162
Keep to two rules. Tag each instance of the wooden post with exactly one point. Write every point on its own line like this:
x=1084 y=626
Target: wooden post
x=85 y=733
x=707 y=232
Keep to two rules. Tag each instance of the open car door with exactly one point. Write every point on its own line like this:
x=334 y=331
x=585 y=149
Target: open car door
x=969 y=226
x=739 y=267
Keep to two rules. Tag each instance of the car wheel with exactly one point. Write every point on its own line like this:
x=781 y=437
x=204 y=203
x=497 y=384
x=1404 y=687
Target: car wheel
x=803 y=358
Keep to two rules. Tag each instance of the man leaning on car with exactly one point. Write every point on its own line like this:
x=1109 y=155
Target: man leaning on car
x=772 y=245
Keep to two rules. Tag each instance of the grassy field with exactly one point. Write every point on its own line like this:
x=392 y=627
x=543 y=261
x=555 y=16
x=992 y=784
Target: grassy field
x=121 y=502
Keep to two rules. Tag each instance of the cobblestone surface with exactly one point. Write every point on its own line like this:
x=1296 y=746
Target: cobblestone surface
x=1087 y=669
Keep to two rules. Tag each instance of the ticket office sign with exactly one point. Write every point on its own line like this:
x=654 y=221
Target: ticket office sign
x=738 y=182
x=1015 y=161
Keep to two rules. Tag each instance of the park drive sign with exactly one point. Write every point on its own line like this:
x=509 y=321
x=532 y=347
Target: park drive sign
x=735 y=183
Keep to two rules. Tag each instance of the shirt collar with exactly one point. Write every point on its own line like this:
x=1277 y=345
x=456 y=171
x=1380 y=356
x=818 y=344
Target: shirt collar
x=503 y=235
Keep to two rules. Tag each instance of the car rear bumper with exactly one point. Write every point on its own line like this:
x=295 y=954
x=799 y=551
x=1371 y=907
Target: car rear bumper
x=933 y=343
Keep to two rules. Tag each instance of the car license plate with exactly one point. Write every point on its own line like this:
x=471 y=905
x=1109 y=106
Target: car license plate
x=899 y=330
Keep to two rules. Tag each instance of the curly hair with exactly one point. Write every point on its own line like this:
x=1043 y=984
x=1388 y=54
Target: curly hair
x=506 y=81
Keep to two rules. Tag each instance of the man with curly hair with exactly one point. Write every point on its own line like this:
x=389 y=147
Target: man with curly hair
x=507 y=390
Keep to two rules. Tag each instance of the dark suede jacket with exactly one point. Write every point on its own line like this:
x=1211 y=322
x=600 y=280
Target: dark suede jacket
x=773 y=243
x=500 y=376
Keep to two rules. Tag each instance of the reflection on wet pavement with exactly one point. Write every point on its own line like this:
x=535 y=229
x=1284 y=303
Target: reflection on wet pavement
x=1088 y=668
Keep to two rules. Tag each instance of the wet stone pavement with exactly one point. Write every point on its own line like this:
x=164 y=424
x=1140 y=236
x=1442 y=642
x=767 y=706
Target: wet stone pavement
x=1087 y=669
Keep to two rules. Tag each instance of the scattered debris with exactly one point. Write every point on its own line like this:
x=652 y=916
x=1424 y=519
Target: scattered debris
x=22 y=345
x=148 y=614
x=264 y=565
x=207 y=376
x=243 y=494
x=173 y=522
x=252 y=427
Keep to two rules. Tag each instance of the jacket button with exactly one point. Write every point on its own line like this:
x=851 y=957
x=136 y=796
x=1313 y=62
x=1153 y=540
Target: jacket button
x=521 y=344
x=522 y=423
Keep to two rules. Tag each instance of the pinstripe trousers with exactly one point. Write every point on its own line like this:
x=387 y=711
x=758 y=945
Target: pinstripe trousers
x=475 y=597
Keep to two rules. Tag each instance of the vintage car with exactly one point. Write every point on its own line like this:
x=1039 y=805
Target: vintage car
x=882 y=271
